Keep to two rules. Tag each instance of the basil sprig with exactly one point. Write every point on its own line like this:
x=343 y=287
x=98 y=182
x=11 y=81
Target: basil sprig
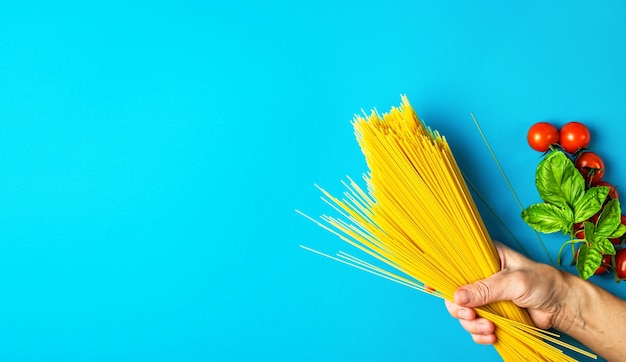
x=566 y=203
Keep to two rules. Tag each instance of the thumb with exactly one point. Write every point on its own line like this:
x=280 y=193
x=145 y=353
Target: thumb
x=486 y=291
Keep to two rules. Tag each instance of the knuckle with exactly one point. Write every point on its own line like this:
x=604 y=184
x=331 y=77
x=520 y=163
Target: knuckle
x=482 y=292
x=522 y=281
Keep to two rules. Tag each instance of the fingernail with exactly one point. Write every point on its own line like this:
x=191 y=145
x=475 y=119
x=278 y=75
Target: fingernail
x=462 y=296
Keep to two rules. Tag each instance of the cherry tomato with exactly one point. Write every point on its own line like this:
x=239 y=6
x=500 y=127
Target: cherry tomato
x=613 y=195
x=620 y=263
x=574 y=136
x=541 y=135
x=604 y=267
x=579 y=226
x=580 y=234
x=590 y=166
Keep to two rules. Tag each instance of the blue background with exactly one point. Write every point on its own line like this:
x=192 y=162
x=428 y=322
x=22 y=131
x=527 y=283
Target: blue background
x=152 y=155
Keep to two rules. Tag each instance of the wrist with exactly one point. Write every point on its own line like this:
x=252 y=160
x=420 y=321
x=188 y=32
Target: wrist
x=578 y=295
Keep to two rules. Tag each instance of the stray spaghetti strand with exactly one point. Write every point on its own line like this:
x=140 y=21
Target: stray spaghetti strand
x=416 y=214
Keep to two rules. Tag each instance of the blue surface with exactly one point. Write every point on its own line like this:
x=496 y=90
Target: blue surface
x=153 y=153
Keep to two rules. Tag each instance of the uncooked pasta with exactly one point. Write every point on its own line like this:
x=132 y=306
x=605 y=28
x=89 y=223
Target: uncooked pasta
x=416 y=214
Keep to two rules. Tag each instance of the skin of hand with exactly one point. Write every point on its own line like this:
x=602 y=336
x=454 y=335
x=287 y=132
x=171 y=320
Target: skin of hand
x=552 y=297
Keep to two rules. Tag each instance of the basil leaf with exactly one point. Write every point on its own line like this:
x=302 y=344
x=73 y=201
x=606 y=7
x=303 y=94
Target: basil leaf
x=590 y=203
x=558 y=181
x=610 y=218
x=621 y=229
x=603 y=246
x=548 y=218
x=590 y=230
x=589 y=259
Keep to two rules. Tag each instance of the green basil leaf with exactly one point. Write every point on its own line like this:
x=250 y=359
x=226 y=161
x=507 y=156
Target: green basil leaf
x=610 y=218
x=558 y=181
x=548 y=218
x=621 y=229
x=590 y=230
x=590 y=203
x=603 y=246
x=589 y=259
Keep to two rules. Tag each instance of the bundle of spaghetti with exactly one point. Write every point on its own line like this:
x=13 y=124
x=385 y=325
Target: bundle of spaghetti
x=417 y=215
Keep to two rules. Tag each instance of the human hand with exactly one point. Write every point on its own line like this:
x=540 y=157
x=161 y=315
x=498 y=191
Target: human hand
x=539 y=288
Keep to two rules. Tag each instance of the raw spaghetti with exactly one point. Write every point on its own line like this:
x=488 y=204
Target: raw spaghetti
x=417 y=216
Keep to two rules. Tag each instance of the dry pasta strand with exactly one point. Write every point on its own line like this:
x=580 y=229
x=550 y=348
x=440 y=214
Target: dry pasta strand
x=417 y=215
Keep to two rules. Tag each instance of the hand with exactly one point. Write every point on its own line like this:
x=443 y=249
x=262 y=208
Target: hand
x=553 y=298
x=539 y=288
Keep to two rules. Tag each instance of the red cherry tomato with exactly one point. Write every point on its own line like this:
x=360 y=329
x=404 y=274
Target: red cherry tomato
x=590 y=166
x=620 y=263
x=574 y=136
x=580 y=234
x=541 y=135
x=579 y=226
x=604 y=267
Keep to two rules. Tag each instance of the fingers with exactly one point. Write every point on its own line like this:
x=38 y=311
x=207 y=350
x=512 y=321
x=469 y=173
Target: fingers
x=478 y=326
x=511 y=283
x=459 y=312
x=493 y=289
x=484 y=338
x=486 y=291
x=481 y=329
